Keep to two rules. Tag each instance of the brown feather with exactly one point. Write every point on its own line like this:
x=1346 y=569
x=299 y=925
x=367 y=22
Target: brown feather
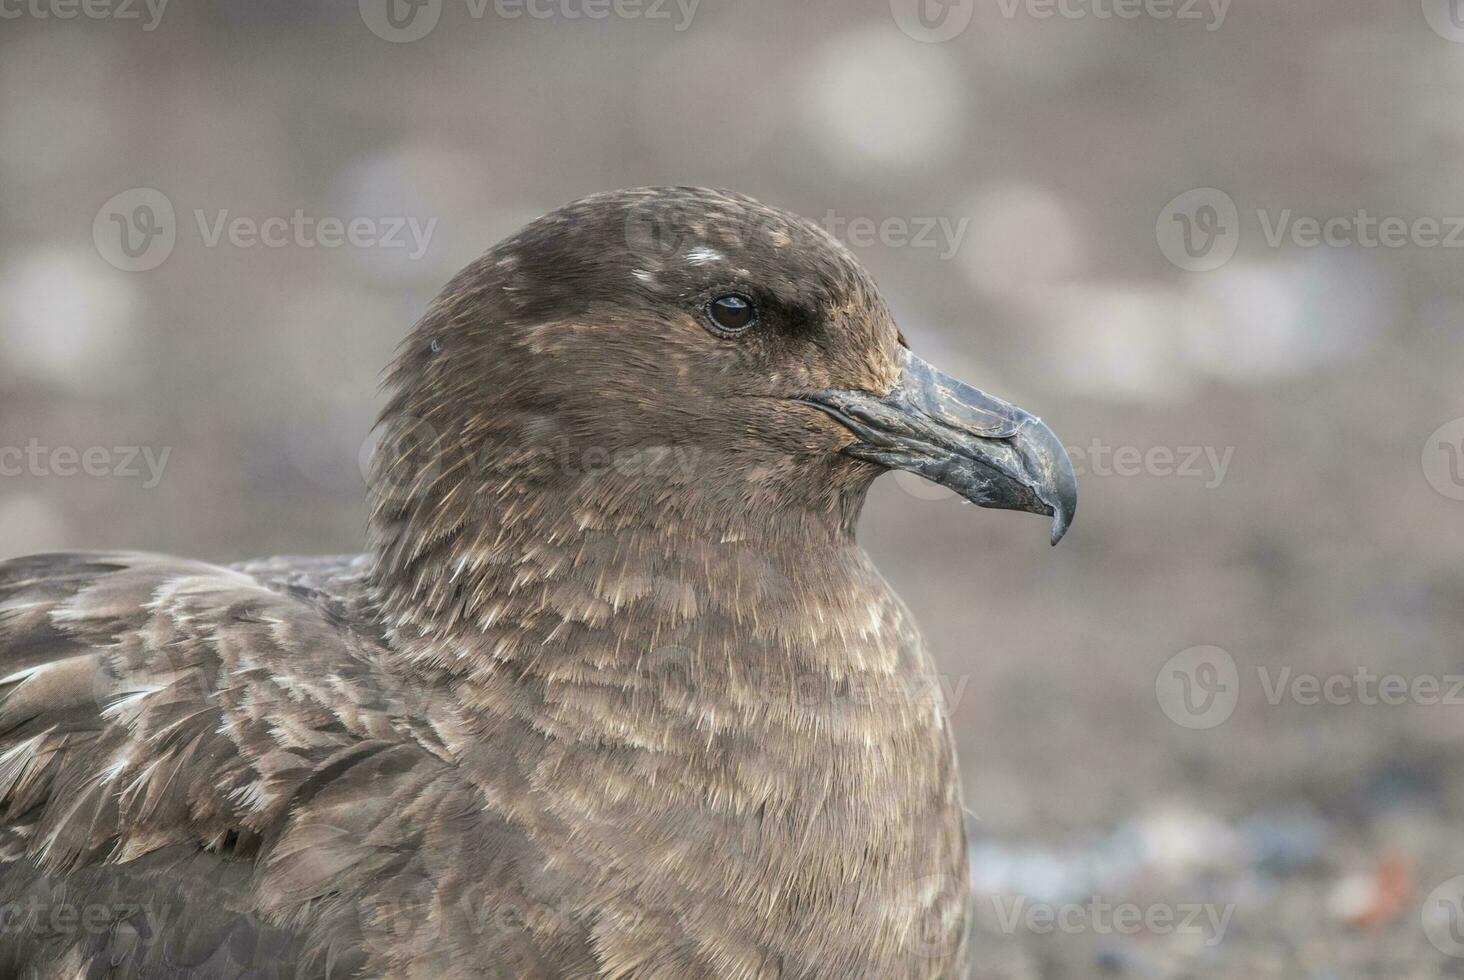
x=614 y=694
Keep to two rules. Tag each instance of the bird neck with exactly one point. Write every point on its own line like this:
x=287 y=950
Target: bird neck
x=610 y=581
x=672 y=644
x=553 y=572
x=680 y=679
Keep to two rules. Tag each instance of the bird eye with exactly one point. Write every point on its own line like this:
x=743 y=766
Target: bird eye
x=732 y=314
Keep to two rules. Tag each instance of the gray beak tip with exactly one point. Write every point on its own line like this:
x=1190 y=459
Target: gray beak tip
x=1062 y=494
x=1061 y=521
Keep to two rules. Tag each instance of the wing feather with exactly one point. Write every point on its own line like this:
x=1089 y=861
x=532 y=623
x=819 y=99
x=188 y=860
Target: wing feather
x=159 y=715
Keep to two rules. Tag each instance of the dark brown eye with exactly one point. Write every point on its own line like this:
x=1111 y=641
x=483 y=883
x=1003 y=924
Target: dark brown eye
x=732 y=313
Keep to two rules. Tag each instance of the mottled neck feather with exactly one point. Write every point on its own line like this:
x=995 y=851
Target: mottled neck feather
x=691 y=659
x=500 y=553
x=630 y=621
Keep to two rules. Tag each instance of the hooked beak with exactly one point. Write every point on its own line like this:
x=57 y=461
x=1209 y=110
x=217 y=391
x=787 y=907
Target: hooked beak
x=992 y=453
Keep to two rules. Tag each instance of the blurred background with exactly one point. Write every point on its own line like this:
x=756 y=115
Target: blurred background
x=1215 y=246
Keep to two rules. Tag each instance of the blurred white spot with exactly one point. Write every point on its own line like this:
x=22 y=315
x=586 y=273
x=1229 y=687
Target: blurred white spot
x=1352 y=896
x=875 y=102
x=1119 y=341
x=703 y=256
x=1044 y=874
x=1244 y=323
x=1285 y=319
x=69 y=320
x=1023 y=238
x=1181 y=840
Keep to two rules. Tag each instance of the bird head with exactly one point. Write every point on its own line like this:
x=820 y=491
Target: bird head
x=689 y=348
